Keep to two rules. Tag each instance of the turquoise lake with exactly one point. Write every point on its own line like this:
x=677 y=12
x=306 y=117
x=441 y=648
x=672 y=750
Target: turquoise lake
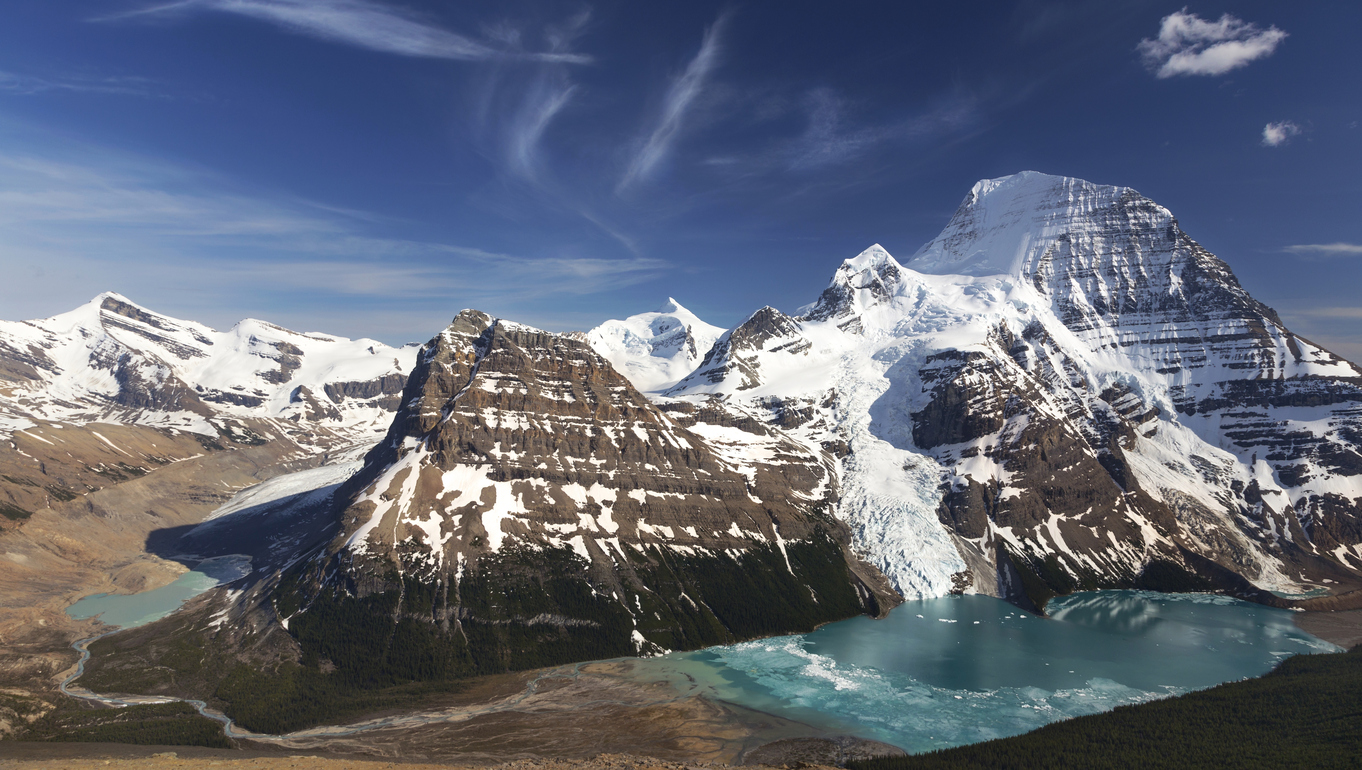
x=956 y=670
x=132 y=610
x=937 y=672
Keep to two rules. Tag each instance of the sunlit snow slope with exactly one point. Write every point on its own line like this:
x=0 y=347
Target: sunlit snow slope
x=654 y=350
x=1060 y=390
x=113 y=361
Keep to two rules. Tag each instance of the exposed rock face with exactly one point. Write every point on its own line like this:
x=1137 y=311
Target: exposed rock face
x=731 y=356
x=383 y=391
x=113 y=361
x=1060 y=390
x=1208 y=361
x=45 y=466
x=529 y=506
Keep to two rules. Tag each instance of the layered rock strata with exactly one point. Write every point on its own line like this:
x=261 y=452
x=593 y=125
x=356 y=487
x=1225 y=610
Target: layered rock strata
x=1062 y=390
x=529 y=506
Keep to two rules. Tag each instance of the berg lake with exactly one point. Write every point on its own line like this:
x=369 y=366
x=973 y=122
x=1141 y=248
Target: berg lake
x=936 y=672
x=963 y=669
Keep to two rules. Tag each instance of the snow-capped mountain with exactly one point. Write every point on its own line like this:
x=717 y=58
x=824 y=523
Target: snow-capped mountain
x=113 y=361
x=1059 y=390
x=654 y=350
x=529 y=506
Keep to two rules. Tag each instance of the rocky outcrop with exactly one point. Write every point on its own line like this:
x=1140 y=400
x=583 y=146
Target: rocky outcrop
x=382 y=391
x=733 y=357
x=530 y=506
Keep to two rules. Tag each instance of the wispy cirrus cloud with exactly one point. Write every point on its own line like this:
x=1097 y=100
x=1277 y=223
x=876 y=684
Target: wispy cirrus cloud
x=827 y=139
x=1190 y=45
x=679 y=98
x=436 y=280
x=13 y=83
x=833 y=138
x=1330 y=312
x=75 y=226
x=364 y=24
x=546 y=97
x=1337 y=249
x=1278 y=134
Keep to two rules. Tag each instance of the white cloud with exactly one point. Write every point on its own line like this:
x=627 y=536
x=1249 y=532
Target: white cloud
x=1327 y=249
x=71 y=227
x=363 y=24
x=684 y=89
x=28 y=84
x=1278 y=134
x=1189 y=45
x=544 y=100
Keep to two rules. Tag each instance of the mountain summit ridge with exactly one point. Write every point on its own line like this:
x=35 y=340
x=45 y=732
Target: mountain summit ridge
x=983 y=237
x=1060 y=341
x=1111 y=410
x=114 y=360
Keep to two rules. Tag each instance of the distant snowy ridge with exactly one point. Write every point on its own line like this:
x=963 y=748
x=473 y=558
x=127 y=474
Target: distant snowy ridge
x=1062 y=390
x=655 y=350
x=111 y=360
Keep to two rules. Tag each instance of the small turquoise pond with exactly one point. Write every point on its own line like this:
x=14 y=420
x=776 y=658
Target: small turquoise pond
x=132 y=610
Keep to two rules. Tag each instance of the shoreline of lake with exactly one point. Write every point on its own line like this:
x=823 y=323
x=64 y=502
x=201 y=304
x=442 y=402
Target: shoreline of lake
x=935 y=673
x=1340 y=627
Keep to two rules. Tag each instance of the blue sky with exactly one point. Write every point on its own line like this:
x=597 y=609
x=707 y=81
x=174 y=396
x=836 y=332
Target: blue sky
x=369 y=168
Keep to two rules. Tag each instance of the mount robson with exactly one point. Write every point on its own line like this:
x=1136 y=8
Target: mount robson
x=1062 y=391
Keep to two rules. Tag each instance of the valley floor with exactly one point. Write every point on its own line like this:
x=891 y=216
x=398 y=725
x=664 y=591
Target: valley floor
x=1342 y=628
x=80 y=757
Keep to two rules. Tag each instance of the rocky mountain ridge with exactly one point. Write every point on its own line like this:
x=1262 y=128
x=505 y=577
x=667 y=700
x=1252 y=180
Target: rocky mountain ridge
x=1060 y=390
x=529 y=506
x=114 y=361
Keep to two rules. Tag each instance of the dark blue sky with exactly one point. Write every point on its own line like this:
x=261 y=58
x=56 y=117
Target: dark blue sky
x=369 y=168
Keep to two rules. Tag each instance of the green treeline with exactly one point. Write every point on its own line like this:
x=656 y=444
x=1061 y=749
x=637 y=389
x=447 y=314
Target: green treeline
x=160 y=724
x=1305 y=714
x=526 y=608
x=1045 y=578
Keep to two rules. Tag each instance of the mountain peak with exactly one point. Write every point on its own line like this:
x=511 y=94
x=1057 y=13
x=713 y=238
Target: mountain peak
x=672 y=306
x=110 y=295
x=868 y=279
x=655 y=350
x=871 y=259
x=1004 y=225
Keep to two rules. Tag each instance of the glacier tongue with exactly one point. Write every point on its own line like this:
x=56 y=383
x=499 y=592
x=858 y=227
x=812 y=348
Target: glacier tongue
x=890 y=492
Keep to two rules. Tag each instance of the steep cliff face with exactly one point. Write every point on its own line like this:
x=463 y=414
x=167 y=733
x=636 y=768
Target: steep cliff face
x=114 y=361
x=1191 y=391
x=530 y=506
x=1060 y=390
